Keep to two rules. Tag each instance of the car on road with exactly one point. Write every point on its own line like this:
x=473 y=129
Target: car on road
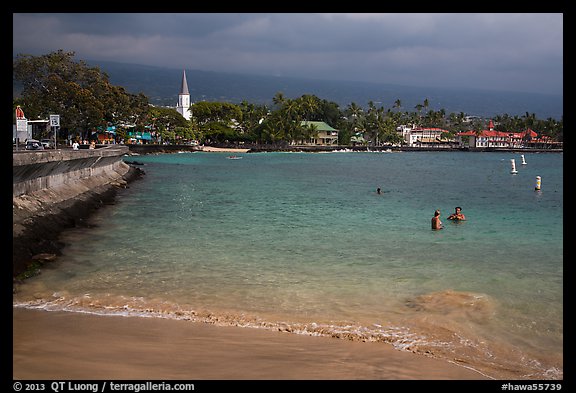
x=47 y=143
x=33 y=144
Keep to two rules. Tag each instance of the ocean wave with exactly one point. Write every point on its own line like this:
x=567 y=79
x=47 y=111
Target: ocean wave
x=399 y=337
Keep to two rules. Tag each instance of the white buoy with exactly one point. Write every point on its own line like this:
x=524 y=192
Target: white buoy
x=523 y=160
x=538 y=183
x=513 y=162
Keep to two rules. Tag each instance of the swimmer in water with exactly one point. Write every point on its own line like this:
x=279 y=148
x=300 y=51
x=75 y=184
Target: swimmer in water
x=436 y=223
x=457 y=215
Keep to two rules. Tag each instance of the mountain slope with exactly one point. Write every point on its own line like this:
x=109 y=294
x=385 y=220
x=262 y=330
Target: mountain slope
x=162 y=86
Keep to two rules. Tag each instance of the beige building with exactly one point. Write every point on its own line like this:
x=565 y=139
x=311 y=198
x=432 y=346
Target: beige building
x=324 y=134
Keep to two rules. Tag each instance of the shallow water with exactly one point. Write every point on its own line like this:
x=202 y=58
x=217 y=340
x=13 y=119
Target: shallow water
x=302 y=242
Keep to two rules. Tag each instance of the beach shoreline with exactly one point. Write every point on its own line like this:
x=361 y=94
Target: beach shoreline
x=211 y=149
x=120 y=347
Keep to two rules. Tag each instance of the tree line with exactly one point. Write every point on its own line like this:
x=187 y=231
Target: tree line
x=86 y=101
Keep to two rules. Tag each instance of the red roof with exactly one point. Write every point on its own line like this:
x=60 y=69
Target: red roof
x=492 y=133
x=529 y=132
x=429 y=129
x=485 y=133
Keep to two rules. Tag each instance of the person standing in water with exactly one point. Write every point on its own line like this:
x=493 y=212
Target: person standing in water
x=457 y=215
x=436 y=223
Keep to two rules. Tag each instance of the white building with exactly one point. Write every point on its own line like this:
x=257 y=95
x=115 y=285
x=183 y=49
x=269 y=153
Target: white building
x=422 y=136
x=183 y=106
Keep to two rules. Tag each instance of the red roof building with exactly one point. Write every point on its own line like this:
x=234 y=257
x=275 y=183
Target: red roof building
x=493 y=138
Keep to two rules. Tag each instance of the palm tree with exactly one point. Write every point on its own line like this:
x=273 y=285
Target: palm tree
x=310 y=105
x=374 y=119
x=272 y=132
x=529 y=119
x=279 y=99
x=398 y=104
x=292 y=108
x=454 y=122
x=419 y=107
x=354 y=110
x=355 y=116
x=309 y=131
x=442 y=115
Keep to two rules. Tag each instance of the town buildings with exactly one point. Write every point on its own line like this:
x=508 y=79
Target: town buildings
x=510 y=140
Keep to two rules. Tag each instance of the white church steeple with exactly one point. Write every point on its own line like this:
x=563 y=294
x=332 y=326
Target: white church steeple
x=184 y=99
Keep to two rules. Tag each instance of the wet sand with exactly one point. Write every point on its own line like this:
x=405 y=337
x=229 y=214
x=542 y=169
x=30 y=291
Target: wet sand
x=63 y=345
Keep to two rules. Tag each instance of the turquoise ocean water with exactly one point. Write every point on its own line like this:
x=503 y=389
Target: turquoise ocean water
x=301 y=242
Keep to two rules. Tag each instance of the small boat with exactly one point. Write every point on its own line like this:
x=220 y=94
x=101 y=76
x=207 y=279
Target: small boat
x=234 y=157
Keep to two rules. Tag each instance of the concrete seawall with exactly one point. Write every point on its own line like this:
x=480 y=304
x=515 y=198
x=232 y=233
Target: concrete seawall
x=35 y=171
x=57 y=189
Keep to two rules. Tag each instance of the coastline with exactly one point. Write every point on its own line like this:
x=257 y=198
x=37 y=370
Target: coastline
x=222 y=149
x=267 y=148
x=119 y=347
x=38 y=219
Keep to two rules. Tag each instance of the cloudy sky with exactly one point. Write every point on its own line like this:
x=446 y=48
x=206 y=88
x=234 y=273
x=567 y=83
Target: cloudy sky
x=517 y=52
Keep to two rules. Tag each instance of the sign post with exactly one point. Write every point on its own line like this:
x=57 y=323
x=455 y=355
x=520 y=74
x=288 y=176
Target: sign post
x=21 y=124
x=55 y=122
x=21 y=129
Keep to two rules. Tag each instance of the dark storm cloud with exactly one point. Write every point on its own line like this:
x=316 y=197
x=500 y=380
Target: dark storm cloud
x=133 y=23
x=504 y=51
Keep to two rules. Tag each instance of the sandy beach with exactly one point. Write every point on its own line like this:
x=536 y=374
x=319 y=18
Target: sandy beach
x=64 y=345
x=222 y=149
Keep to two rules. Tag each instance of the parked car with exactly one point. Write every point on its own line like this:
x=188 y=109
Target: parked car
x=33 y=144
x=47 y=143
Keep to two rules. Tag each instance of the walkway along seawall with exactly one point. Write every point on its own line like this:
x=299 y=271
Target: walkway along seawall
x=58 y=189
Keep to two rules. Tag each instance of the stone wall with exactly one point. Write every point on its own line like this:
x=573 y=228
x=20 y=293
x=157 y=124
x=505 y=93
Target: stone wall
x=57 y=189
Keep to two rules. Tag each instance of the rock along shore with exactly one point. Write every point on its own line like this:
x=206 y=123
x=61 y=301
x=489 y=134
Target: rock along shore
x=38 y=218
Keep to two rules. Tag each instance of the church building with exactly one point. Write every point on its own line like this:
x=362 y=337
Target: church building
x=183 y=106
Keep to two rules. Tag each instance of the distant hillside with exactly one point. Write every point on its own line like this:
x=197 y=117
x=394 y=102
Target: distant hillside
x=162 y=86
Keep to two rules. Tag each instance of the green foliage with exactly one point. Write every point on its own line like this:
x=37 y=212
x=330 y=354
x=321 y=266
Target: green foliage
x=220 y=112
x=82 y=95
x=218 y=121
x=169 y=125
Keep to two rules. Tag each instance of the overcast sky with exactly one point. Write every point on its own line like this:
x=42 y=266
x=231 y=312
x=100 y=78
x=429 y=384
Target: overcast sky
x=516 y=52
